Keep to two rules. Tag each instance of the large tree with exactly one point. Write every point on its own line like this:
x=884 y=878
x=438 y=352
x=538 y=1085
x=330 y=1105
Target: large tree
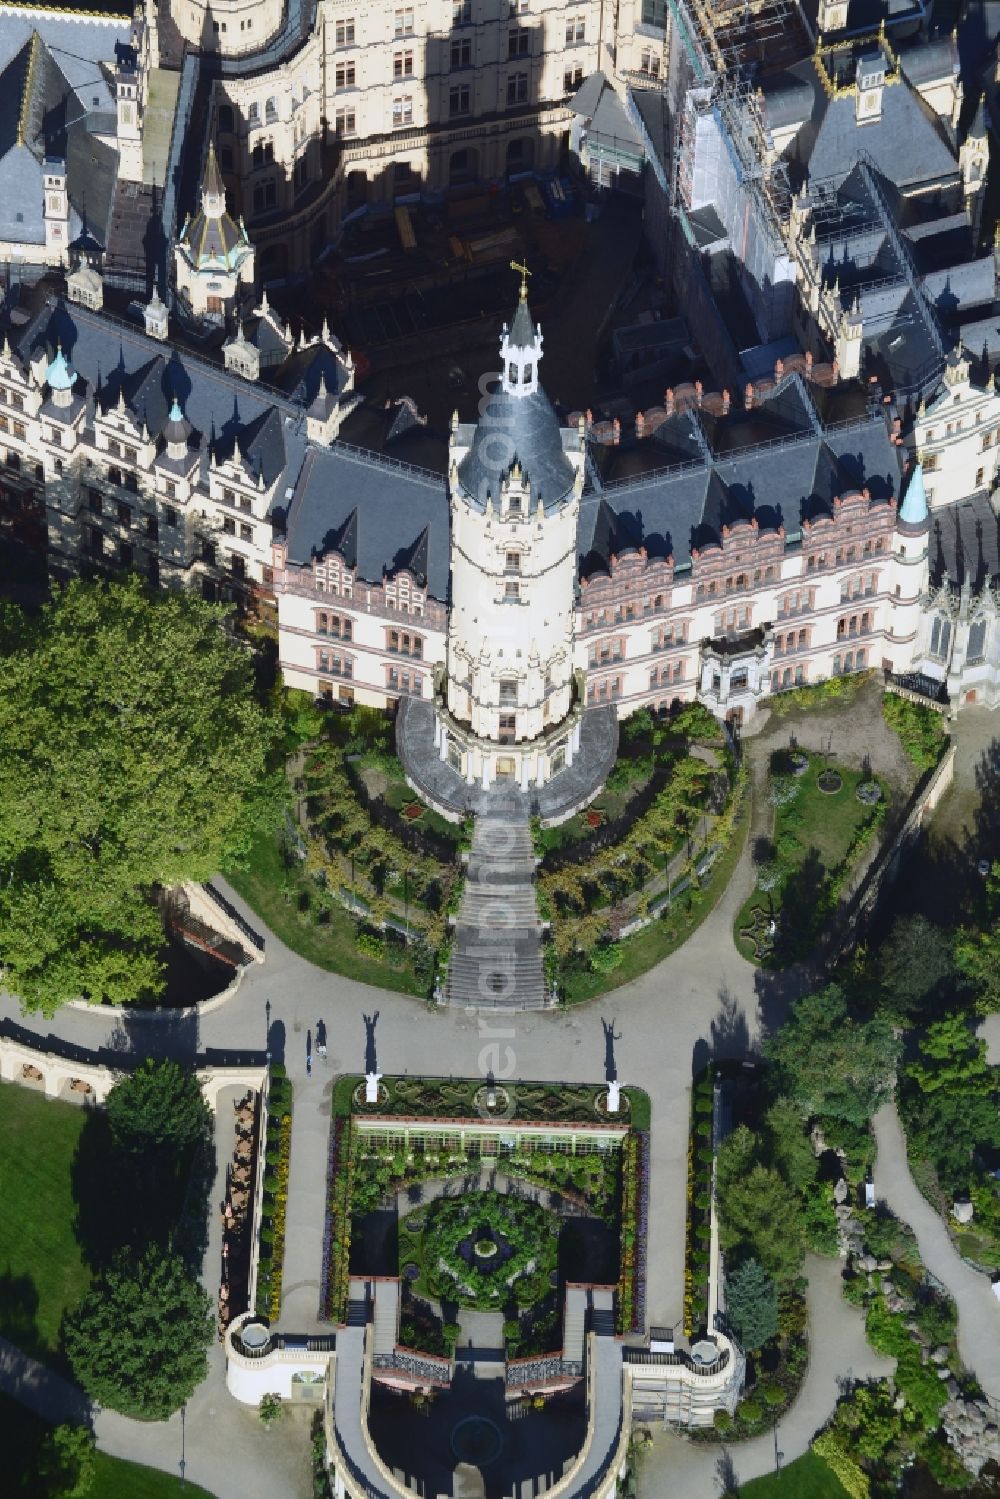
x=752 y=1304
x=138 y=1341
x=915 y=962
x=949 y=1101
x=759 y=1213
x=159 y=1105
x=133 y=754
x=831 y=1064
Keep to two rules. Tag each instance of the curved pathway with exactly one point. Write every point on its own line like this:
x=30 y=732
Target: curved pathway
x=703 y=999
x=838 y=1350
x=978 y=1308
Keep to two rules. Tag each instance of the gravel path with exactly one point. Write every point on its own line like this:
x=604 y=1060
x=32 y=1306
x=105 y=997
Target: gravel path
x=838 y=1350
x=978 y=1308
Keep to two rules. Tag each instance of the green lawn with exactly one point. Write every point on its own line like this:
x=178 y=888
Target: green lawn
x=655 y=942
x=819 y=828
x=42 y=1271
x=331 y=945
x=809 y=1477
x=21 y=1435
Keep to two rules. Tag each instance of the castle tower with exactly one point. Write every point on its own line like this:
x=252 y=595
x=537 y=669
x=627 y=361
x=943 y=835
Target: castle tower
x=228 y=28
x=908 y=572
x=56 y=212
x=128 y=97
x=508 y=703
x=213 y=256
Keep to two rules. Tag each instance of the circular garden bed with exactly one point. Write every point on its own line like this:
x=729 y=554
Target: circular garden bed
x=829 y=782
x=483 y=1249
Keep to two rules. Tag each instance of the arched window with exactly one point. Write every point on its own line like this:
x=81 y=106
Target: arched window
x=977 y=641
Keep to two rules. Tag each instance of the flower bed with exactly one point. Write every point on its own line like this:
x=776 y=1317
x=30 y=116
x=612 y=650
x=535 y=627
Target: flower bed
x=274 y=1203
x=337 y=1238
x=483 y=1249
x=699 y=1234
x=634 y=1212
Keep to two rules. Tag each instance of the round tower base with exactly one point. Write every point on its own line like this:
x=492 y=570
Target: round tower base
x=460 y=777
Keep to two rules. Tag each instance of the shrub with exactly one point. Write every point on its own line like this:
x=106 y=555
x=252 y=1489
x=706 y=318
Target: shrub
x=773 y=1394
x=851 y=1476
x=371 y=945
x=750 y=1409
x=722 y=1422
x=270 y=1409
x=607 y=957
x=921 y=731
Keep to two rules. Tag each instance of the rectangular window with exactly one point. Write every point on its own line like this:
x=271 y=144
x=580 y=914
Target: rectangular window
x=508 y=693
x=572 y=78
x=649 y=62
x=125 y=554
x=461 y=53
x=345 y=75
x=125 y=515
x=511 y=592
x=403 y=23
x=346 y=122
x=246 y=532
x=512 y=562
x=152 y=528
x=229 y=525
x=517 y=88
x=402 y=111
x=402 y=65
x=518 y=42
x=344 y=32
x=170 y=517
x=96 y=502
x=458 y=100
x=654 y=13
x=576 y=27
x=461 y=12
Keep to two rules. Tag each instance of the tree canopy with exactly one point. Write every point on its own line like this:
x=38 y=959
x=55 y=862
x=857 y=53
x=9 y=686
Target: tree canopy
x=138 y=1341
x=831 y=1064
x=914 y=962
x=752 y=1304
x=67 y=1462
x=133 y=754
x=158 y=1105
x=759 y=1213
x=949 y=1101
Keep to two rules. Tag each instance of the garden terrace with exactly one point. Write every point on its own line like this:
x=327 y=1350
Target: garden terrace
x=825 y=816
x=579 y=1168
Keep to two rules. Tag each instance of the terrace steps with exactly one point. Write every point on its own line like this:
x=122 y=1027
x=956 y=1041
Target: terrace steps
x=496 y=955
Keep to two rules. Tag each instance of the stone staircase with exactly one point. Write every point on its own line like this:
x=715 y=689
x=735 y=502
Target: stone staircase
x=496 y=958
x=386 y=1317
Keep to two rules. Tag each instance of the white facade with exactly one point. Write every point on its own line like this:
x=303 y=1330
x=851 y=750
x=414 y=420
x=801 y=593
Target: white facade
x=957 y=437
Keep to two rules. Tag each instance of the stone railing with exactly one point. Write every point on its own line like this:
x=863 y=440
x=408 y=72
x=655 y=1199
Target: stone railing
x=75 y=1075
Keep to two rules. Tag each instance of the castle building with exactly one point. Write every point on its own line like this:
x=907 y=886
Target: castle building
x=723 y=551
x=213 y=256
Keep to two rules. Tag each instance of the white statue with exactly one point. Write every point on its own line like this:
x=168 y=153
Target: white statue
x=614 y=1096
x=372 y=1080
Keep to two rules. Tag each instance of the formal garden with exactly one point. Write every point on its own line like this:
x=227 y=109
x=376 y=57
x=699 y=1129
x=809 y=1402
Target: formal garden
x=362 y=879
x=825 y=816
x=499 y=1221
x=628 y=880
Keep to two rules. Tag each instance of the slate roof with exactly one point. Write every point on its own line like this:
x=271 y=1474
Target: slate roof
x=41 y=114
x=782 y=484
x=909 y=145
x=522 y=429
x=113 y=358
x=382 y=516
x=964 y=543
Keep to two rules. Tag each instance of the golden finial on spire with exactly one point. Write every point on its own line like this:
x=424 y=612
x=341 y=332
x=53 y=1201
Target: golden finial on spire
x=516 y=265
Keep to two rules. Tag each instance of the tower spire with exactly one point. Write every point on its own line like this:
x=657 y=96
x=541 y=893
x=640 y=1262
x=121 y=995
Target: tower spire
x=516 y=265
